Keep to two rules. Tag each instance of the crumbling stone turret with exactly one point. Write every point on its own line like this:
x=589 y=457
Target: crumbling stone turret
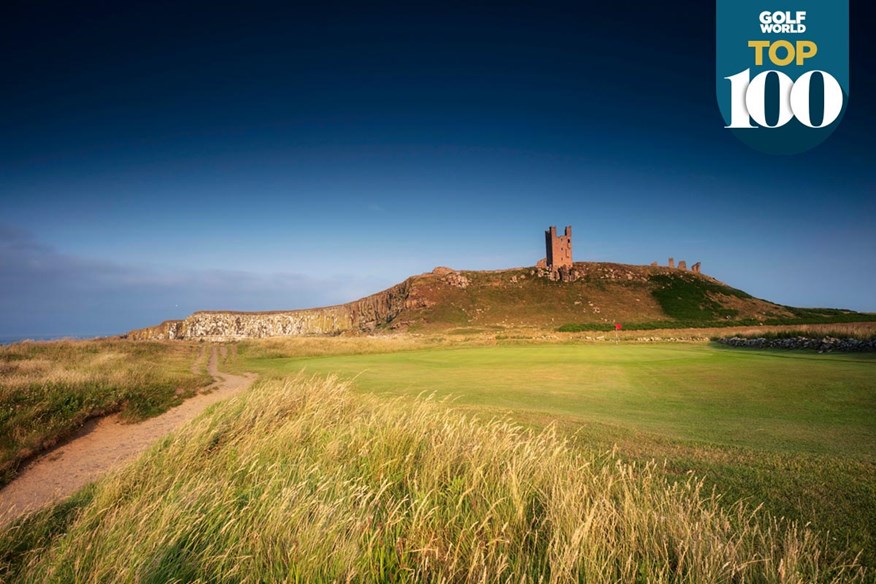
x=682 y=265
x=558 y=248
x=671 y=262
x=695 y=268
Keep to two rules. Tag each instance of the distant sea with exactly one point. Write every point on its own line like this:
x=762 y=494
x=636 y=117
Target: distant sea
x=9 y=339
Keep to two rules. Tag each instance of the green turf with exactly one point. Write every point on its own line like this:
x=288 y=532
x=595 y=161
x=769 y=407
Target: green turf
x=794 y=430
x=799 y=402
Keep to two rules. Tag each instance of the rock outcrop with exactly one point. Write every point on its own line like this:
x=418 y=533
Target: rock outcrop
x=363 y=315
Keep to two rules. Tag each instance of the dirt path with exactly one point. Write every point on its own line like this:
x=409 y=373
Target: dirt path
x=106 y=444
x=198 y=363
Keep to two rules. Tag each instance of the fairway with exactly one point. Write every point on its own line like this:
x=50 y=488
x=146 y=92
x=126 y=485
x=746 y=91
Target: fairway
x=775 y=401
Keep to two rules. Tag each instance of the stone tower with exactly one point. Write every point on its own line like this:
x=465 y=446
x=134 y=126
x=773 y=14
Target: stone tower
x=558 y=248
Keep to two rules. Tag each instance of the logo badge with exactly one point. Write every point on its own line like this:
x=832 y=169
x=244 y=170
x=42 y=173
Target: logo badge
x=782 y=71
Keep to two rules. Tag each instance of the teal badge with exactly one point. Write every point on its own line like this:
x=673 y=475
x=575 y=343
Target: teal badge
x=782 y=71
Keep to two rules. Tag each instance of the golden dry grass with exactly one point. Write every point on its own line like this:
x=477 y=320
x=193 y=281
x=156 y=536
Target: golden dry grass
x=49 y=389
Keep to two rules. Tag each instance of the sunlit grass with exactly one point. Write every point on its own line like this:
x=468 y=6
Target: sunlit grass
x=48 y=390
x=794 y=431
x=302 y=480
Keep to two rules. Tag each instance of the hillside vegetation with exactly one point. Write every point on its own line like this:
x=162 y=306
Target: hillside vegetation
x=595 y=297
x=49 y=389
x=300 y=480
x=692 y=301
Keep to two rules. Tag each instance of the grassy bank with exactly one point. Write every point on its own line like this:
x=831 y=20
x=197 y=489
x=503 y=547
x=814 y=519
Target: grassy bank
x=48 y=390
x=794 y=431
x=690 y=302
x=304 y=481
x=823 y=321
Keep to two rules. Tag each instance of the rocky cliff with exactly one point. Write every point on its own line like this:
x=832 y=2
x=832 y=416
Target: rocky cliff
x=362 y=315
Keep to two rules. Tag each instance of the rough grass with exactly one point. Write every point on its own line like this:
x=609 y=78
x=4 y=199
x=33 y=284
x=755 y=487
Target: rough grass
x=796 y=322
x=692 y=299
x=692 y=302
x=48 y=390
x=302 y=481
x=37 y=531
x=514 y=298
x=650 y=326
x=794 y=431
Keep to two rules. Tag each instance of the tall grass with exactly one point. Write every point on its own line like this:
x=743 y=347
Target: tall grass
x=858 y=331
x=302 y=481
x=49 y=389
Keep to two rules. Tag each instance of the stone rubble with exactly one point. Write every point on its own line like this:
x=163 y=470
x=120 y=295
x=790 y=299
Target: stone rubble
x=820 y=344
x=457 y=280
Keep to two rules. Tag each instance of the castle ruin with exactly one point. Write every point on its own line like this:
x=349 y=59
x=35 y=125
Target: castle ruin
x=558 y=248
x=682 y=265
x=557 y=263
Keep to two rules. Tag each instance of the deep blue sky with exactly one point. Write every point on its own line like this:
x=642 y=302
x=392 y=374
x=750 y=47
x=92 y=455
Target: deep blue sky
x=158 y=158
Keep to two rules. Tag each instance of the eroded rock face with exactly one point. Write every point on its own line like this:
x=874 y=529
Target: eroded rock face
x=457 y=280
x=363 y=315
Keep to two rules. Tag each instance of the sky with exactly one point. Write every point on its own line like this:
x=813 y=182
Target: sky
x=158 y=158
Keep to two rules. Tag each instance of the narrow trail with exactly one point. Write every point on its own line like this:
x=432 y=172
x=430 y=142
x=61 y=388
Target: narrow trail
x=105 y=444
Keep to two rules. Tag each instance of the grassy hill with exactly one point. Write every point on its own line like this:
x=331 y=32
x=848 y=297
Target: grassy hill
x=639 y=297
x=591 y=296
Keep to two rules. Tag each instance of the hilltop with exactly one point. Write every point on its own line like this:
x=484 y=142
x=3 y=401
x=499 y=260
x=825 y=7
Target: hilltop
x=587 y=296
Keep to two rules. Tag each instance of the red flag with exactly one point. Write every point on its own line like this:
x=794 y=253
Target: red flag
x=618 y=326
